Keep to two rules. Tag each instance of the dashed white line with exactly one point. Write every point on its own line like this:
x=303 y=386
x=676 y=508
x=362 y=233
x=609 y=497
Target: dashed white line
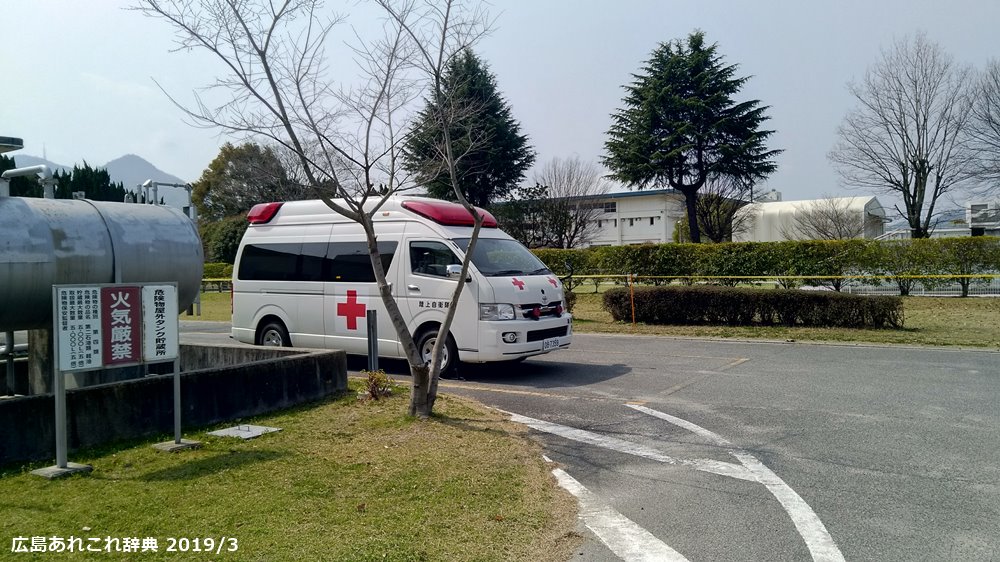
x=623 y=536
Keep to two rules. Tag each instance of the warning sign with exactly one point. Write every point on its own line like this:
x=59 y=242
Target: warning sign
x=114 y=325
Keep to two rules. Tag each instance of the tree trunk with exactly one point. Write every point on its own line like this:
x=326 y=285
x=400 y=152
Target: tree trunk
x=419 y=404
x=691 y=201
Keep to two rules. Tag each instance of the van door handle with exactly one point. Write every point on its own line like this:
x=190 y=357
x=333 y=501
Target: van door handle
x=413 y=288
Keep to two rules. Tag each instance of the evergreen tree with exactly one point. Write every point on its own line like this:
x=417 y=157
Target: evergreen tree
x=94 y=183
x=239 y=178
x=492 y=155
x=680 y=125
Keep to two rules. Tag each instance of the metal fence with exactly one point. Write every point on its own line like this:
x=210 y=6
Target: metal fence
x=978 y=288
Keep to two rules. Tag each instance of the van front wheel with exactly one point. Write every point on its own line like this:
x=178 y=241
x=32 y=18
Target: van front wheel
x=449 y=357
x=274 y=334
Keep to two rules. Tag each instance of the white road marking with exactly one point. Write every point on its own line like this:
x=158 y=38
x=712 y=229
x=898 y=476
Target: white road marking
x=613 y=443
x=813 y=532
x=623 y=536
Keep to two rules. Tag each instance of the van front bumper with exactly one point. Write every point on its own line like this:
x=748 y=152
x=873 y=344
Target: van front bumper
x=533 y=337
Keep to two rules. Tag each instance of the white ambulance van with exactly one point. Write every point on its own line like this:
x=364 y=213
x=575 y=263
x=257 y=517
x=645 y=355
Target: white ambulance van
x=303 y=277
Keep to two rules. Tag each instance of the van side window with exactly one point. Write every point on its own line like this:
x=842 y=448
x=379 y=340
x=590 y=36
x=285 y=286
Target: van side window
x=270 y=262
x=312 y=261
x=349 y=261
x=431 y=258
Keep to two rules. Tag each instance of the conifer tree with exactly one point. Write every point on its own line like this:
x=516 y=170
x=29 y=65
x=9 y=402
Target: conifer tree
x=492 y=154
x=680 y=125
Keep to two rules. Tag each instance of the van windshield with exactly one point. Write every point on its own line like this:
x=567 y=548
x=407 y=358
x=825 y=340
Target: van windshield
x=499 y=257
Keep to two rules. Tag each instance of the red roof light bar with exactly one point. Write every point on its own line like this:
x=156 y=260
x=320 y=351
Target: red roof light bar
x=447 y=213
x=263 y=212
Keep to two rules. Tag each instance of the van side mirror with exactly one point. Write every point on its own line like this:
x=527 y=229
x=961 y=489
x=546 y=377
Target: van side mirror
x=455 y=271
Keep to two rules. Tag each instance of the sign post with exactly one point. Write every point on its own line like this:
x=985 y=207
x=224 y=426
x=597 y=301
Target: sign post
x=109 y=325
x=372 y=341
x=159 y=323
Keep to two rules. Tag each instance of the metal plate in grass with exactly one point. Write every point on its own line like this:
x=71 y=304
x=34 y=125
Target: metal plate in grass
x=244 y=431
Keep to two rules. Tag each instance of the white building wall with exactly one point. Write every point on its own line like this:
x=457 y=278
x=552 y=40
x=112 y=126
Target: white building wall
x=770 y=221
x=639 y=219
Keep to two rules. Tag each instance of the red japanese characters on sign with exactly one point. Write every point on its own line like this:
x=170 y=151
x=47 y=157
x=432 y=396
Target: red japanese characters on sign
x=121 y=324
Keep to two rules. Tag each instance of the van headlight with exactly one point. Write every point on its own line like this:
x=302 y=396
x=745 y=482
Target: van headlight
x=495 y=311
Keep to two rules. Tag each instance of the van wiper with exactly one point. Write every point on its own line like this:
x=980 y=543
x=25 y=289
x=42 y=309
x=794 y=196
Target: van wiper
x=540 y=271
x=503 y=272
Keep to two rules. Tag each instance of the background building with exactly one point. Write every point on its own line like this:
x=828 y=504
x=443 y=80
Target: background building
x=636 y=217
x=828 y=218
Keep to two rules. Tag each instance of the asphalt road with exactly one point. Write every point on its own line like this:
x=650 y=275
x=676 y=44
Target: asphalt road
x=722 y=450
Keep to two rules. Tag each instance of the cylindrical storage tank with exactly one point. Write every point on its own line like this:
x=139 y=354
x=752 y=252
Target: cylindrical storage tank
x=46 y=242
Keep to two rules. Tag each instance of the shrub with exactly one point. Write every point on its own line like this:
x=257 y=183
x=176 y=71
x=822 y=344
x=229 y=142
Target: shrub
x=376 y=385
x=737 y=259
x=901 y=260
x=969 y=256
x=741 y=307
x=218 y=270
x=221 y=239
x=823 y=263
x=570 y=299
x=564 y=261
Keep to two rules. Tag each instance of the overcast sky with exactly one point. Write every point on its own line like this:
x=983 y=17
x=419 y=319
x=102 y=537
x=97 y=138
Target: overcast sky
x=77 y=77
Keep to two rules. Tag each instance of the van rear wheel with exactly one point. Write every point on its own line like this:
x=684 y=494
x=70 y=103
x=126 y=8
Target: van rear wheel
x=274 y=334
x=449 y=357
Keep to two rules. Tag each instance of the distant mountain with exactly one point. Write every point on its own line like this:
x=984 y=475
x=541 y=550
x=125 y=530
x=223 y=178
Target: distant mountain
x=24 y=160
x=130 y=170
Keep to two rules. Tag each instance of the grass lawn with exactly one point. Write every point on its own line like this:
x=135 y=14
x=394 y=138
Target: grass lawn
x=343 y=480
x=215 y=306
x=972 y=322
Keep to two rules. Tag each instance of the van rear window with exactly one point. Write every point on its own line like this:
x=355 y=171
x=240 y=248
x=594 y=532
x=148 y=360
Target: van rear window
x=312 y=261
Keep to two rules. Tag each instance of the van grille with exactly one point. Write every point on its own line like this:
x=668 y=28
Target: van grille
x=550 y=309
x=539 y=335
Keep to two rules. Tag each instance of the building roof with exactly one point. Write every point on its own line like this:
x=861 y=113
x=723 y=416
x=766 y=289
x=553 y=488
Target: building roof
x=8 y=144
x=624 y=194
x=770 y=207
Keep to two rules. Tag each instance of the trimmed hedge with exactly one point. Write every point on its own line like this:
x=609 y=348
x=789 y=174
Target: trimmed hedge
x=218 y=271
x=829 y=261
x=744 y=307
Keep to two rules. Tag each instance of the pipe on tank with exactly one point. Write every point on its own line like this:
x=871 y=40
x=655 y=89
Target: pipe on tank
x=41 y=170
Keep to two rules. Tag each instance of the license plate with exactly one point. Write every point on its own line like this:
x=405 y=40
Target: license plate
x=551 y=343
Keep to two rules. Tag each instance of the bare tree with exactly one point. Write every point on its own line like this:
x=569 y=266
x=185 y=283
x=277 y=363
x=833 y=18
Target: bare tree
x=574 y=188
x=718 y=210
x=828 y=218
x=907 y=135
x=718 y=204
x=279 y=85
x=985 y=125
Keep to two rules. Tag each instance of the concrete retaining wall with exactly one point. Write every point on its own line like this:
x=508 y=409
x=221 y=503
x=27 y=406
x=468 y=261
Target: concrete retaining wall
x=218 y=383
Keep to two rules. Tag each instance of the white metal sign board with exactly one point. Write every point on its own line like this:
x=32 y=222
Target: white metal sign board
x=159 y=323
x=78 y=327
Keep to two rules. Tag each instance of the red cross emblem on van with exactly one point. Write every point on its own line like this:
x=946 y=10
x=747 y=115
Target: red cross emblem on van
x=519 y=284
x=351 y=310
